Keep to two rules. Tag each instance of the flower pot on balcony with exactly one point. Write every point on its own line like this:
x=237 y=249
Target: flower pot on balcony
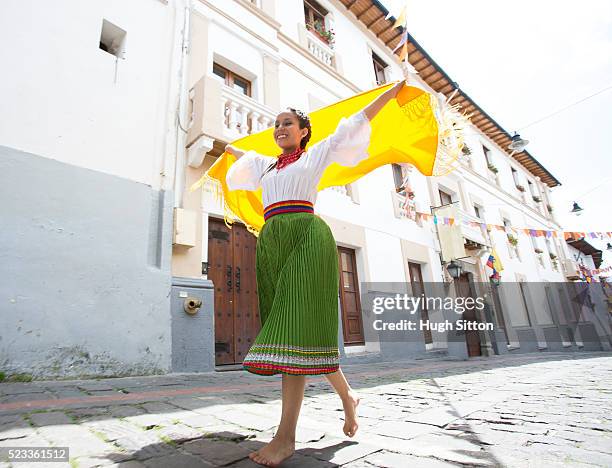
x=326 y=36
x=492 y=168
x=536 y=199
x=520 y=188
x=513 y=240
x=538 y=251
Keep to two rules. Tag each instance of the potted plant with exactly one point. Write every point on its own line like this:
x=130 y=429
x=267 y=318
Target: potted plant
x=466 y=150
x=492 y=168
x=536 y=199
x=538 y=250
x=513 y=240
x=520 y=188
x=318 y=28
x=549 y=208
x=553 y=260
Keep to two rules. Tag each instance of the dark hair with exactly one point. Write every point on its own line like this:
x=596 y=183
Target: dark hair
x=304 y=122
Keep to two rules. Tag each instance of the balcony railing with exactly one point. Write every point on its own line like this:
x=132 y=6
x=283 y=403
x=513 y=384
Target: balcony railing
x=319 y=49
x=243 y=115
x=405 y=208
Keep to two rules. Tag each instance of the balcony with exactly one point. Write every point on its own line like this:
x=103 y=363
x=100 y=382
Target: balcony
x=224 y=114
x=243 y=115
x=464 y=235
x=319 y=49
x=570 y=269
x=404 y=209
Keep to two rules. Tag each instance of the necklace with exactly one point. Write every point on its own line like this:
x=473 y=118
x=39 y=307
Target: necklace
x=286 y=159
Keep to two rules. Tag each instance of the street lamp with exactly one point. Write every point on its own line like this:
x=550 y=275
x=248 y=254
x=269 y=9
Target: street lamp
x=454 y=269
x=576 y=209
x=517 y=144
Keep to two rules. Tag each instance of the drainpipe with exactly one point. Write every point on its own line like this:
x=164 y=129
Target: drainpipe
x=180 y=117
x=172 y=164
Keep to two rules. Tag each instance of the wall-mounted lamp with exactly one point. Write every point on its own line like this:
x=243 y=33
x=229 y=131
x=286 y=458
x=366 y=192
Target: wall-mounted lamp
x=454 y=269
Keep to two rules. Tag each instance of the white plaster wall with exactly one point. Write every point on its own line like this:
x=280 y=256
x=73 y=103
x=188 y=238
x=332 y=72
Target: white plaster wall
x=384 y=257
x=59 y=95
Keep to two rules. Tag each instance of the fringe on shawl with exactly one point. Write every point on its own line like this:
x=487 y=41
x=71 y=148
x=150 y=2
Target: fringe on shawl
x=229 y=217
x=451 y=128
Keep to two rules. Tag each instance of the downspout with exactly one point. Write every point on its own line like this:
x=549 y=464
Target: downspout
x=180 y=127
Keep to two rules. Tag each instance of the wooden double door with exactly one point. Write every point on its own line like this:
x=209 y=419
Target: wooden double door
x=231 y=268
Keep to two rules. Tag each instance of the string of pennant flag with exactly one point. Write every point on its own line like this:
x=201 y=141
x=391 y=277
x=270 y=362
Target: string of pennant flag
x=566 y=235
x=596 y=271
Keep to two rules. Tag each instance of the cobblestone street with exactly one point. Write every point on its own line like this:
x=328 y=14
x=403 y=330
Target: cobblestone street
x=548 y=409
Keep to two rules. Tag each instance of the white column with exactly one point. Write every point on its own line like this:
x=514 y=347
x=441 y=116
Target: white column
x=233 y=115
x=255 y=116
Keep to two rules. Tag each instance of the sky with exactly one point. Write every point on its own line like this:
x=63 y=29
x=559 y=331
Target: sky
x=523 y=60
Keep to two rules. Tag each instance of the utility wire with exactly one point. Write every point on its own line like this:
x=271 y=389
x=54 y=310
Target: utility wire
x=565 y=108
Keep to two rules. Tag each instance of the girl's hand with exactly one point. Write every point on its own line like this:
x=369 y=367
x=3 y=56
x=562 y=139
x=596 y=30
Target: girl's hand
x=377 y=104
x=396 y=89
x=233 y=150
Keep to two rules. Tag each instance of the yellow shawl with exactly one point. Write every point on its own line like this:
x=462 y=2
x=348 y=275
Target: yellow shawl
x=415 y=128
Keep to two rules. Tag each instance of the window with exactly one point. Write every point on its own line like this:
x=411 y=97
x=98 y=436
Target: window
x=513 y=250
x=487 y=153
x=514 y=176
x=399 y=179
x=445 y=198
x=232 y=80
x=554 y=263
x=478 y=211
x=112 y=39
x=379 y=69
x=530 y=185
x=314 y=12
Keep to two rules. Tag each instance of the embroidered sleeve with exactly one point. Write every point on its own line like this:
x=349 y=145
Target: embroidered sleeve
x=245 y=174
x=348 y=145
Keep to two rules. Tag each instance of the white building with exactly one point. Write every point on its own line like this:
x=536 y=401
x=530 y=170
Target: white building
x=114 y=116
x=88 y=141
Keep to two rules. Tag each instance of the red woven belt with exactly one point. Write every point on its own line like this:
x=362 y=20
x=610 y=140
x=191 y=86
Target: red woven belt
x=288 y=206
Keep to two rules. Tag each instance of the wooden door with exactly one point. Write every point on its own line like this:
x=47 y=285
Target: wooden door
x=418 y=289
x=231 y=268
x=472 y=338
x=352 y=323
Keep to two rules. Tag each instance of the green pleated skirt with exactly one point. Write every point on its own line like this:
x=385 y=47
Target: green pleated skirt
x=297 y=286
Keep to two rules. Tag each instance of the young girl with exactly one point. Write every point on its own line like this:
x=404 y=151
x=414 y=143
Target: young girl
x=297 y=263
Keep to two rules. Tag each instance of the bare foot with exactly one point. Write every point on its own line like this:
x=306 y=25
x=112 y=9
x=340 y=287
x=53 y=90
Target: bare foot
x=274 y=453
x=350 y=414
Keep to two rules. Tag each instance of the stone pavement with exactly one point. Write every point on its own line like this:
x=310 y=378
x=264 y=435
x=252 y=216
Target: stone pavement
x=530 y=410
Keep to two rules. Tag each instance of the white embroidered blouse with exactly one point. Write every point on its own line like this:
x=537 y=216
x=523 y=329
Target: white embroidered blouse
x=347 y=146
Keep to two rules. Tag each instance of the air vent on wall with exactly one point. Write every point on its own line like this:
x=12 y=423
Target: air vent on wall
x=112 y=39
